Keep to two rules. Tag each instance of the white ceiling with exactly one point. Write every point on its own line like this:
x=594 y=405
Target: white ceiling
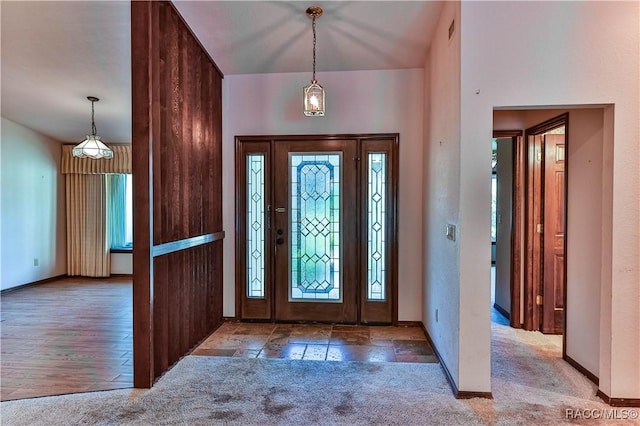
x=55 y=54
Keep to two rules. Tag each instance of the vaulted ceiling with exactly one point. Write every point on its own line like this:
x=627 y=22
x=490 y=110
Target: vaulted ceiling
x=56 y=53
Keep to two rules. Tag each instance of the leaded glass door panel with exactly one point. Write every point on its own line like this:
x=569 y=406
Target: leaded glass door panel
x=315 y=215
x=254 y=257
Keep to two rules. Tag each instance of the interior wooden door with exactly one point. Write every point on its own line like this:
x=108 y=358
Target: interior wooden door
x=545 y=225
x=554 y=233
x=533 y=233
x=315 y=231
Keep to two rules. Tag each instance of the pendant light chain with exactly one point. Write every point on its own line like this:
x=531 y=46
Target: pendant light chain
x=94 y=131
x=313 y=25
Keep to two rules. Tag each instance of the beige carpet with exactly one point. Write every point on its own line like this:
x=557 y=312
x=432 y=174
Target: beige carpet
x=531 y=385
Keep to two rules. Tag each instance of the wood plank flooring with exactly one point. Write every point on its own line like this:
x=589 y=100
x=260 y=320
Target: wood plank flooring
x=76 y=335
x=66 y=336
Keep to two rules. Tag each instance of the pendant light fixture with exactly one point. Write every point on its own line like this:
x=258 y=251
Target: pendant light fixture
x=92 y=146
x=313 y=100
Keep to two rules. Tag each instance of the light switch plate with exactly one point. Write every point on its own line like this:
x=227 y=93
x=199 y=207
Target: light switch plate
x=451 y=232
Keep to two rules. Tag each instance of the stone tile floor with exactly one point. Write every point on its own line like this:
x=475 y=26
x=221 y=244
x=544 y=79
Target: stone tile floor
x=319 y=342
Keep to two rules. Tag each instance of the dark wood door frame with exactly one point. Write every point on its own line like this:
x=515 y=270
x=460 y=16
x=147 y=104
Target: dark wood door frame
x=368 y=143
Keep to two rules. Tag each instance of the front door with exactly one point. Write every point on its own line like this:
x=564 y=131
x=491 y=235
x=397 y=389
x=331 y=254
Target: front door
x=316 y=228
x=315 y=224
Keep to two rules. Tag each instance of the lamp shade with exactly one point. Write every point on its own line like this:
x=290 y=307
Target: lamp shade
x=92 y=147
x=313 y=99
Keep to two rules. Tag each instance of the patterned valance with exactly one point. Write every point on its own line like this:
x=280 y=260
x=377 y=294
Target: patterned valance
x=120 y=163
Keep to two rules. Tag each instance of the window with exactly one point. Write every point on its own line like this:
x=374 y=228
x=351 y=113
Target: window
x=120 y=205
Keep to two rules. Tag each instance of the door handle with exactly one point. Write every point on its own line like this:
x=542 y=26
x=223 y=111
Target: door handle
x=279 y=241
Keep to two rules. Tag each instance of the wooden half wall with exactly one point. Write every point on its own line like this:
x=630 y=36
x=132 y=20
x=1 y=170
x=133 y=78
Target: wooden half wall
x=177 y=175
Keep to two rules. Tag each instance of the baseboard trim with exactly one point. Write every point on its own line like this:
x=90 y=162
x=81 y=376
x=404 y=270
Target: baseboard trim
x=618 y=402
x=502 y=311
x=410 y=324
x=575 y=364
x=469 y=395
x=44 y=281
x=447 y=373
x=458 y=394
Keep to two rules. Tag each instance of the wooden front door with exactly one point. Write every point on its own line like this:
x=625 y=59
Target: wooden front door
x=316 y=228
x=315 y=221
x=553 y=232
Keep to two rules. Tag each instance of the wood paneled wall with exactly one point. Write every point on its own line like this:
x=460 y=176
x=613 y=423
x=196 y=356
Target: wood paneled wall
x=177 y=174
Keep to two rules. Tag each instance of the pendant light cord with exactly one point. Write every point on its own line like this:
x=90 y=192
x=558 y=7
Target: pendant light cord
x=314 y=48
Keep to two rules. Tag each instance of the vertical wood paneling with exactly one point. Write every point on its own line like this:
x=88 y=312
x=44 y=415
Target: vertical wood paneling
x=161 y=314
x=192 y=310
x=190 y=87
x=177 y=108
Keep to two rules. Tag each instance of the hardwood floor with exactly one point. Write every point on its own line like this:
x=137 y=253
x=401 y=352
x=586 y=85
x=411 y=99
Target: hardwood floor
x=71 y=335
x=76 y=335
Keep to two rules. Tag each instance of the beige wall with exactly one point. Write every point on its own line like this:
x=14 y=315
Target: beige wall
x=357 y=102
x=441 y=206
x=32 y=207
x=122 y=263
x=588 y=54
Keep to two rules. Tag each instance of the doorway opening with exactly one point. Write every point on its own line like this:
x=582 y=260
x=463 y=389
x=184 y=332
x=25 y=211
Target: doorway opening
x=507 y=184
x=585 y=218
x=316 y=228
x=530 y=223
x=504 y=219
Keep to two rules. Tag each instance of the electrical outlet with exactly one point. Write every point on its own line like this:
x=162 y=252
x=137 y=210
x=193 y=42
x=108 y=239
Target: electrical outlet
x=436 y=315
x=451 y=232
x=35 y=261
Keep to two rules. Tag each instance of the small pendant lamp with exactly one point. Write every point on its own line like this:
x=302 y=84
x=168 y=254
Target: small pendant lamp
x=313 y=94
x=92 y=146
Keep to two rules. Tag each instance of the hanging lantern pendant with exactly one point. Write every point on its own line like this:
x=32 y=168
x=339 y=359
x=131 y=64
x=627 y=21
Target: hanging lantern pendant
x=313 y=99
x=313 y=94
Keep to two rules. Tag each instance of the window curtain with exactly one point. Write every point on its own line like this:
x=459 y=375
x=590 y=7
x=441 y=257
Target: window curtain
x=87 y=226
x=116 y=202
x=87 y=191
